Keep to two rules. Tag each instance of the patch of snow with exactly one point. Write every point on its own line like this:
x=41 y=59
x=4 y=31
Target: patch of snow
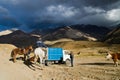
x=5 y=32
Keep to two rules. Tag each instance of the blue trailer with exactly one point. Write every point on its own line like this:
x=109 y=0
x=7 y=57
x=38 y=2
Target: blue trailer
x=57 y=54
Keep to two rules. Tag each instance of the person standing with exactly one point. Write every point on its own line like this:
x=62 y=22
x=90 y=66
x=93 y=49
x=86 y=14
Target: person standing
x=40 y=43
x=72 y=58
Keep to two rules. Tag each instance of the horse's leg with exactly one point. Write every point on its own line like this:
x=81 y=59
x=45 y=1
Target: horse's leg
x=14 y=58
x=40 y=60
x=24 y=57
x=41 y=63
x=28 y=56
x=35 y=59
x=115 y=62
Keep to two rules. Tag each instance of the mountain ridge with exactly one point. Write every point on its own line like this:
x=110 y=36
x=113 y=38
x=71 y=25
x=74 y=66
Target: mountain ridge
x=74 y=32
x=113 y=36
x=94 y=31
x=18 y=38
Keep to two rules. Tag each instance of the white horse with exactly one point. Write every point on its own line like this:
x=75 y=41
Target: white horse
x=39 y=53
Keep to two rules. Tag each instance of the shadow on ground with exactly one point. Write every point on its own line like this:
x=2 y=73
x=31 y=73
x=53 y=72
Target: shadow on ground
x=100 y=64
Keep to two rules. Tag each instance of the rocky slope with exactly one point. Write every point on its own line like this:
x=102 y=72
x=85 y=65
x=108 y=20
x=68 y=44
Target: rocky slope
x=77 y=32
x=17 y=38
x=68 y=32
x=113 y=36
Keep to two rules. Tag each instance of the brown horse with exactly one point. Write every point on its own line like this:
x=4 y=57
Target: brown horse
x=114 y=56
x=21 y=51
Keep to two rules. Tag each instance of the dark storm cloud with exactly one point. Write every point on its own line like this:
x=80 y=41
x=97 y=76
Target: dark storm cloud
x=40 y=13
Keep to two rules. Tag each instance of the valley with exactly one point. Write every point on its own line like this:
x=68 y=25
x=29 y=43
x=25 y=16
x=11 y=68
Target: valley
x=90 y=64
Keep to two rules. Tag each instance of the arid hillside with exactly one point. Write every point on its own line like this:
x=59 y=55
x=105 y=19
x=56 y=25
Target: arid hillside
x=77 y=46
x=113 y=37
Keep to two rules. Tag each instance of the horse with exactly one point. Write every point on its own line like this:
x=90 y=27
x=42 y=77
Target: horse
x=21 y=51
x=115 y=57
x=39 y=53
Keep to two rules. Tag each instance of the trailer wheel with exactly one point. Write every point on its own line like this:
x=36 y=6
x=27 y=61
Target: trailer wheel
x=68 y=62
x=48 y=63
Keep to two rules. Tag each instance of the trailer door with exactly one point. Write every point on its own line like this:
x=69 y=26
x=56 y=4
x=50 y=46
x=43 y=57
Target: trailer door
x=55 y=54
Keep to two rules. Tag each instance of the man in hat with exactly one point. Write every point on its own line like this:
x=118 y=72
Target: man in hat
x=40 y=43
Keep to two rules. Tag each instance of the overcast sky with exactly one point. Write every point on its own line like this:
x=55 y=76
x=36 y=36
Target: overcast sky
x=31 y=13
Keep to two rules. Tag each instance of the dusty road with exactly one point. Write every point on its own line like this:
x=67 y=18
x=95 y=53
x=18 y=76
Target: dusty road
x=85 y=68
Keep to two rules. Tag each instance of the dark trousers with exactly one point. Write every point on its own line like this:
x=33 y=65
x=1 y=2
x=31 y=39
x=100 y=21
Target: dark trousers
x=71 y=62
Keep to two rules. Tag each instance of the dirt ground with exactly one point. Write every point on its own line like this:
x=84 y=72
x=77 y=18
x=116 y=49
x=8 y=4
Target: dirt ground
x=85 y=68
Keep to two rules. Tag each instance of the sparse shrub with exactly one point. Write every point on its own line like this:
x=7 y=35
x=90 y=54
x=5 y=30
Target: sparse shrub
x=101 y=51
x=84 y=46
x=78 y=53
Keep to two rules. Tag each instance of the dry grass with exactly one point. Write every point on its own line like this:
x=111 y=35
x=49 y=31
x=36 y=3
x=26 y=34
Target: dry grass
x=85 y=47
x=70 y=44
x=56 y=41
